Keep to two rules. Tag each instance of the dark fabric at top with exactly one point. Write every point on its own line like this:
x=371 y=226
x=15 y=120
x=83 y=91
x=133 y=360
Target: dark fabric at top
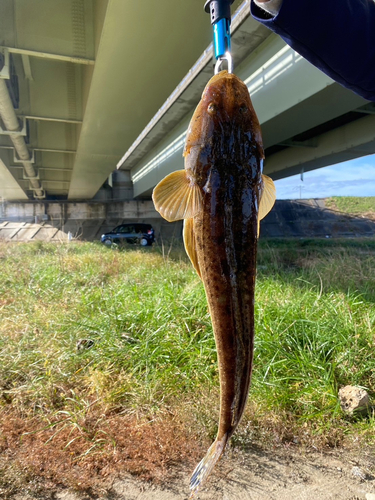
x=337 y=36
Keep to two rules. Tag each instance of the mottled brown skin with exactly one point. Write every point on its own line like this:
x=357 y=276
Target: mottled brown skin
x=224 y=156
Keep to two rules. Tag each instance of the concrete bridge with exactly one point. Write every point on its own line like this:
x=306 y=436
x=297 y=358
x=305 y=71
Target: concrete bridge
x=87 y=86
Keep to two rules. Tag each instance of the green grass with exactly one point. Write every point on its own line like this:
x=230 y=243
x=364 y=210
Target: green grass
x=352 y=205
x=154 y=351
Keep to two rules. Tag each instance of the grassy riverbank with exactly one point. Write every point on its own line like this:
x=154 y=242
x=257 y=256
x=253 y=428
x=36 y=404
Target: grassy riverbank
x=353 y=205
x=108 y=362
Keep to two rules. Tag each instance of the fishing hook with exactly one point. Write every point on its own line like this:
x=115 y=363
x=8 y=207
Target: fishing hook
x=226 y=57
x=220 y=19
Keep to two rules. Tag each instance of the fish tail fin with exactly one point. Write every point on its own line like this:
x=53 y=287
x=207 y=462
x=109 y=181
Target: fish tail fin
x=205 y=466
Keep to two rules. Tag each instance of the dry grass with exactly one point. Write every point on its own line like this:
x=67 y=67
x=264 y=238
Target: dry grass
x=88 y=454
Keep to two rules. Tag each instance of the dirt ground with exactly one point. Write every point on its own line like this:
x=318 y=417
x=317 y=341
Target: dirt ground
x=285 y=474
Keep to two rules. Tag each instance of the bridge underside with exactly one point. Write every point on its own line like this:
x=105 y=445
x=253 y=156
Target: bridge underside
x=86 y=76
x=90 y=80
x=307 y=120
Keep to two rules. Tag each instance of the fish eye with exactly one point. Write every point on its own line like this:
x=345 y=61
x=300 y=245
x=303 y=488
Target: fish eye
x=212 y=108
x=243 y=109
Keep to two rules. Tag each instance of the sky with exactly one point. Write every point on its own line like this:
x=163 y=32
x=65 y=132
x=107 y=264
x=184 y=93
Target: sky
x=351 y=178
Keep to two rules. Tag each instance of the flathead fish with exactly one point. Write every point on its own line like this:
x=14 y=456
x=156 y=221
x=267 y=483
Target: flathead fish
x=222 y=195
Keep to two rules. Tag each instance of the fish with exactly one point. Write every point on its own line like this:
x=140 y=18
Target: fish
x=222 y=194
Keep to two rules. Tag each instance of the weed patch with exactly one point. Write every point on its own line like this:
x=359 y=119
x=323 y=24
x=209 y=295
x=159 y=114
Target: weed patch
x=362 y=206
x=83 y=454
x=108 y=361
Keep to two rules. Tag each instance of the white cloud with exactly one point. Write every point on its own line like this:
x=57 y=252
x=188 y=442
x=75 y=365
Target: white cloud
x=351 y=178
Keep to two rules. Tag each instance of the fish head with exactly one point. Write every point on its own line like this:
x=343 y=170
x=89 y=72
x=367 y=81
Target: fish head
x=223 y=148
x=224 y=125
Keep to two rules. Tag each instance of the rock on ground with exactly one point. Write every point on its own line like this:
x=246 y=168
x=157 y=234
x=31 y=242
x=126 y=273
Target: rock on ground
x=354 y=399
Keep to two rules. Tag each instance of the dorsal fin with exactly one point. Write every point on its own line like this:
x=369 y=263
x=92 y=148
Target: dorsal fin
x=176 y=197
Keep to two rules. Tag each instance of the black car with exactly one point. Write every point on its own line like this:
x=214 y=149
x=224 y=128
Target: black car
x=141 y=234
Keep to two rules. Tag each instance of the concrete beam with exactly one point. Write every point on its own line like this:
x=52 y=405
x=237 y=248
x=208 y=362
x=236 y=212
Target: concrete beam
x=27 y=67
x=123 y=96
x=48 y=55
x=341 y=144
x=51 y=119
x=9 y=187
x=246 y=34
x=46 y=150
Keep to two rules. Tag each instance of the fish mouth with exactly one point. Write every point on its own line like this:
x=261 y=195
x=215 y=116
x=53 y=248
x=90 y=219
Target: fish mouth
x=222 y=74
x=226 y=83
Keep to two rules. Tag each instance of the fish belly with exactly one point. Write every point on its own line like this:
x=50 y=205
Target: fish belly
x=226 y=241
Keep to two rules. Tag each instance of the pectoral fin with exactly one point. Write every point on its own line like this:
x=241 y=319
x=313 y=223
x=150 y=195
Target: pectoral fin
x=176 y=197
x=267 y=199
x=190 y=244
